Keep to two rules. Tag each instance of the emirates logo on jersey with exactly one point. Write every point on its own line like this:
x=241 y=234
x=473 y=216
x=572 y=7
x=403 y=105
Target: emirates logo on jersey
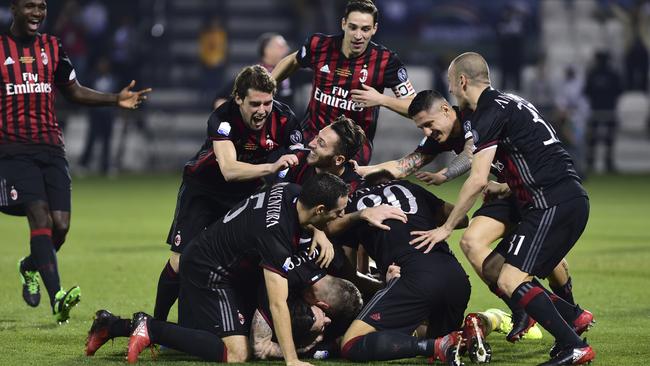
x=13 y=194
x=30 y=85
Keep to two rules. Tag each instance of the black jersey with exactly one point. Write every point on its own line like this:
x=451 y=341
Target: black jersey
x=425 y=211
x=31 y=68
x=534 y=163
x=261 y=231
x=255 y=147
x=431 y=146
x=336 y=75
x=300 y=173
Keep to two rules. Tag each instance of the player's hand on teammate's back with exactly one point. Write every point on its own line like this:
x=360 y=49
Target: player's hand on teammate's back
x=129 y=99
x=326 y=248
x=375 y=216
x=429 y=238
x=436 y=178
x=495 y=190
x=284 y=162
x=393 y=272
x=362 y=170
x=367 y=96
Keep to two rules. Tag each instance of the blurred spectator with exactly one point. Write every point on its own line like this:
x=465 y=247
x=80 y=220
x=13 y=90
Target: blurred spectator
x=636 y=25
x=124 y=50
x=213 y=48
x=101 y=120
x=571 y=116
x=271 y=48
x=603 y=88
x=94 y=17
x=539 y=89
x=70 y=30
x=510 y=32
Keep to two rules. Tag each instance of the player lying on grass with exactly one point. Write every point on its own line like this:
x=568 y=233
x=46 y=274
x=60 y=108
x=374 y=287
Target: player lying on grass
x=222 y=269
x=492 y=221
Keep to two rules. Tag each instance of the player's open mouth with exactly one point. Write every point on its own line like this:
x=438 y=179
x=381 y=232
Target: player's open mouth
x=33 y=25
x=258 y=121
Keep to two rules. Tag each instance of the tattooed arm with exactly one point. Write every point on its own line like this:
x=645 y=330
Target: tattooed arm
x=261 y=335
x=400 y=168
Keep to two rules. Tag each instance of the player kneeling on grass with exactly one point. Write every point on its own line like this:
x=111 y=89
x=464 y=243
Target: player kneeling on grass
x=431 y=287
x=220 y=273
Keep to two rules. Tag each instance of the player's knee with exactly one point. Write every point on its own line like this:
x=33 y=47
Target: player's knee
x=471 y=242
x=61 y=227
x=38 y=214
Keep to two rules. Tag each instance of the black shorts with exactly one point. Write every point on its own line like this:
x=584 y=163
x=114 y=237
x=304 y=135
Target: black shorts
x=223 y=308
x=503 y=210
x=42 y=176
x=196 y=209
x=545 y=236
x=439 y=294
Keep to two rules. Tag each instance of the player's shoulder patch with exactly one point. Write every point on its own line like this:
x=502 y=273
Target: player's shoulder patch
x=402 y=75
x=224 y=129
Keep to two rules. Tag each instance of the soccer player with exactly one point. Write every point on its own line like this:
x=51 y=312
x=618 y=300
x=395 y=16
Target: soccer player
x=540 y=174
x=34 y=176
x=220 y=272
x=431 y=287
x=331 y=151
x=244 y=133
x=350 y=74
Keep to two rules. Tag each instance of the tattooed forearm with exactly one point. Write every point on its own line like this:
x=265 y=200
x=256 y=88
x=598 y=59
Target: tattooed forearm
x=412 y=162
x=461 y=164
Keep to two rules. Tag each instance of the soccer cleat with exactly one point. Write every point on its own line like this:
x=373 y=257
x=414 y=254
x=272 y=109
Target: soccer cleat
x=99 y=331
x=572 y=356
x=474 y=333
x=447 y=349
x=64 y=301
x=139 y=339
x=521 y=323
x=581 y=324
x=31 y=288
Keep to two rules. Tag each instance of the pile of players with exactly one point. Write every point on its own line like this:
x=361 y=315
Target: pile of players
x=271 y=213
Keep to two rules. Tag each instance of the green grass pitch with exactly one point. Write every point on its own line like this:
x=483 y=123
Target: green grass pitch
x=115 y=252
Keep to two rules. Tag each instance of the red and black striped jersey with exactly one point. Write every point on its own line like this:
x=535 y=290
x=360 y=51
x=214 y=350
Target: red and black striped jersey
x=336 y=75
x=279 y=133
x=31 y=67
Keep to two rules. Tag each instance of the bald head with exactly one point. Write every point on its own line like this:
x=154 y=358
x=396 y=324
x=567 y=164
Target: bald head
x=473 y=66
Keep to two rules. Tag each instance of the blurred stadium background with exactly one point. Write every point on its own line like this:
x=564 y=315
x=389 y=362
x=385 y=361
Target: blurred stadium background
x=188 y=49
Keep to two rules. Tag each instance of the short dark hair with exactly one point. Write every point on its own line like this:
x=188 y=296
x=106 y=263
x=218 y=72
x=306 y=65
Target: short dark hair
x=253 y=77
x=362 y=6
x=378 y=177
x=351 y=136
x=263 y=41
x=423 y=101
x=302 y=319
x=323 y=189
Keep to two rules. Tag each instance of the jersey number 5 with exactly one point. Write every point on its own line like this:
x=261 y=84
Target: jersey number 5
x=259 y=200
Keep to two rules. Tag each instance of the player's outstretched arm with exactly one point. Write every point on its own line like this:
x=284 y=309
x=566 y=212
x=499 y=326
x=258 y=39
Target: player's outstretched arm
x=234 y=170
x=286 y=67
x=471 y=189
x=374 y=216
x=126 y=98
x=400 y=168
x=278 y=290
